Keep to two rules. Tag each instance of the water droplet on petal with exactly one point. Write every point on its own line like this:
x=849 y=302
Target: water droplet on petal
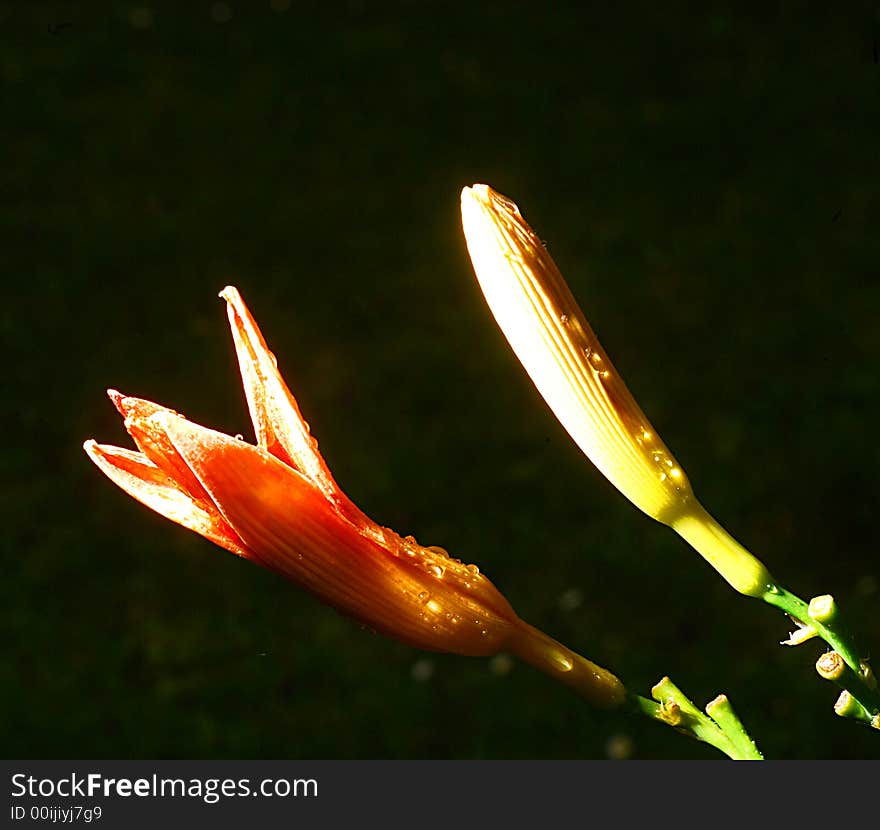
x=438 y=550
x=563 y=662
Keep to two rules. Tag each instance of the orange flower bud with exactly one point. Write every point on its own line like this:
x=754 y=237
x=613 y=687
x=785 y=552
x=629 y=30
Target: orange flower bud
x=277 y=504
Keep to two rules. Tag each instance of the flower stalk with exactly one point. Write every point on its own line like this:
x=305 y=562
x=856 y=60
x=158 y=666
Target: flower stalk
x=719 y=726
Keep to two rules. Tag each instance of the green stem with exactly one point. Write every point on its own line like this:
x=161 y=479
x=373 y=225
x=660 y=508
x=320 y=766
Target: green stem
x=602 y=688
x=721 y=711
x=673 y=708
x=795 y=607
x=749 y=576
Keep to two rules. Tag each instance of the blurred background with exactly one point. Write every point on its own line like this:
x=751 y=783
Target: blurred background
x=707 y=180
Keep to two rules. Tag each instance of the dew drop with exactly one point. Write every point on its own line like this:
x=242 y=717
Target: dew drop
x=424 y=596
x=239 y=436
x=474 y=570
x=564 y=663
x=438 y=550
x=563 y=319
x=596 y=361
x=435 y=570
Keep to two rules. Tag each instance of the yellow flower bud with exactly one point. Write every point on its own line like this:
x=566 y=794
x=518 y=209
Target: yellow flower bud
x=553 y=340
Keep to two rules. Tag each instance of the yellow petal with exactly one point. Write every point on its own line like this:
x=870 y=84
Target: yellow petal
x=553 y=340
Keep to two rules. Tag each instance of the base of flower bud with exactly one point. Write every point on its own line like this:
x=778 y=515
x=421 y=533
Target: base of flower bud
x=597 y=685
x=743 y=571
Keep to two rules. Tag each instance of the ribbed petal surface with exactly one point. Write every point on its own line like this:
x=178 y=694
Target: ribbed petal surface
x=290 y=526
x=553 y=340
x=144 y=481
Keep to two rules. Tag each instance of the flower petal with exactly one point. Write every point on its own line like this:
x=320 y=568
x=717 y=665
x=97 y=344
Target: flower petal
x=292 y=529
x=153 y=442
x=140 y=478
x=553 y=340
x=278 y=422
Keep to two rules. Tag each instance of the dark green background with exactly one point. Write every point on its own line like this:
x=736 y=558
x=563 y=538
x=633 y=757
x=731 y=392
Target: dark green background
x=708 y=182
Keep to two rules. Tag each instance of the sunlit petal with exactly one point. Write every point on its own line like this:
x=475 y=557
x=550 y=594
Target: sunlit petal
x=550 y=335
x=292 y=529
x=553 y=340
x=278 y=504
x=143 y=480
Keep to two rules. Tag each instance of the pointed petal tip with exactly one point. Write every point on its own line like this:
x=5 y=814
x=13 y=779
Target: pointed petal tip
x=474 y=192
x=236 y=310
x=117 y=397
x=231 y=294
x=101 y=454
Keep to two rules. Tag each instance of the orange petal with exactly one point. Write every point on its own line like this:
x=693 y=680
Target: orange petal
x=153 y=442
x=278 y=423
x=280 y=428
x=140 y=478
x=291 y=528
